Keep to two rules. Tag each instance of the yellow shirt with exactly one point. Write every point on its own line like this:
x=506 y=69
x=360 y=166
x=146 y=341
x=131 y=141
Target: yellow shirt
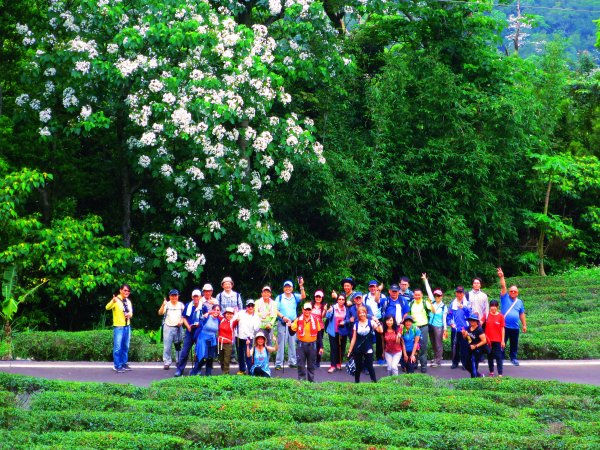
x=117 y=311
x=418 y=312
x=306 y=337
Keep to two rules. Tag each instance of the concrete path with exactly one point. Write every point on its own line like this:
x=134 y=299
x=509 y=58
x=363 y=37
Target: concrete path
x=587 y=371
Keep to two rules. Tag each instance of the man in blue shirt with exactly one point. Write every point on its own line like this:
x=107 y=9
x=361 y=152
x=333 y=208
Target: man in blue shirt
x=395 y=305
x=405 y=293
x=457 y=318
x=513 y=311
x=287 y=311
x=191 y=320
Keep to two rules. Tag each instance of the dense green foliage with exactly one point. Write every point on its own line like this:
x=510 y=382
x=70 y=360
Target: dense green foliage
x=239 y=412
x=154 y=142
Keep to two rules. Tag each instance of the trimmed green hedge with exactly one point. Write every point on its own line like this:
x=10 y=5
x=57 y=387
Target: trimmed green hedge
x=93 y=345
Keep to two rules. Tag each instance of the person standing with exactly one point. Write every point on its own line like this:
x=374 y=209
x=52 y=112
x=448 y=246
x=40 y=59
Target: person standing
x=495 y=333
x=319 y=310
x=337 y=332
x=476 y=340
x=228 y=297
x=392 y=342
x=348 y=285
x=420 y=309
x=206 y=344
x=225 y=340
x=122 y=312
x=247 y=323
x=478 y=300
x=266 y=308
x=306 y=328
x=374 y=299
x=208 y=301
x=172 y=311
x=361 y=345
x=405 y=293
x=395 y=305
x=513 y=311
x=437 y=322
x=191 y=321
x=287 y=305
x=457 y=316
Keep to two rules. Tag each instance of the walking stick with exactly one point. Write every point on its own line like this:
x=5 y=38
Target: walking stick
x=284 y=342
x=340 y=349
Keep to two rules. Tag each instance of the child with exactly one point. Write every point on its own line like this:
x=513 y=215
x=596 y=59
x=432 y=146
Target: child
x=392 y=346
x=494 y=331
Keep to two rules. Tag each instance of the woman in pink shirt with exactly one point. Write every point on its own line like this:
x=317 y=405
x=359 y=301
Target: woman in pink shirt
x=319 y=309
x=337 y=316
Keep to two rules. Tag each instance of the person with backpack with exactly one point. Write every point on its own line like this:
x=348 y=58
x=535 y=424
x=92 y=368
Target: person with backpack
x=420 y=310
x=306 y=328
x=513 y=310
x=476 y=341
x=247 y=323
x=206 y=344
x=458 y=312
x=348 y=285
x=192 y=312
x=258 y=355
x=375 y=300
x=395 y=305
x=172 y=312
x=437 y=322
x=411 y=336
x=494 y=332
x=266 y=308
x=287 y=311
x=337 y=315
x=228 y=298
x=361 y=345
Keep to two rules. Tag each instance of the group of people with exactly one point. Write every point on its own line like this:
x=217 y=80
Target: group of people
x=393 y=328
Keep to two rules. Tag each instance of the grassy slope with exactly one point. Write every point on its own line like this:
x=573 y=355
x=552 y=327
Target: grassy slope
x=242 y=412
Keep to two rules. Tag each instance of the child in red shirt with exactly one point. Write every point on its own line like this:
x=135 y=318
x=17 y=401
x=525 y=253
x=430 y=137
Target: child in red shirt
x=494 y=332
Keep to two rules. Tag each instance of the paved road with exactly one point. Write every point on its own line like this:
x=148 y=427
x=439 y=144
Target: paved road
x=144 y=373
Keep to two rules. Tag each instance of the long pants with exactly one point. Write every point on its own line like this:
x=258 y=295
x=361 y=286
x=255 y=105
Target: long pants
x=268 y=336
x=319 y=347
x=225 y=351
x=511 y=335
x=284 y=338
x=409 y=366
x=497 y=355
x=121 y=339
x=258 y=372
x=364 y=360
x=473 y=358
x=188 y=342
x=170 y=336
x=243 y=360
x=337 y=349
x=197 y=370
x=460 y=349
x=423 y=343
x=392 y=360
x=436 y=336
x=307 y=357
x=379 y=346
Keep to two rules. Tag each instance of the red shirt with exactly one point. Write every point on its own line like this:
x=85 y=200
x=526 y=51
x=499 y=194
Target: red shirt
x=225 y=332
x=493 y=327
x=391 y=345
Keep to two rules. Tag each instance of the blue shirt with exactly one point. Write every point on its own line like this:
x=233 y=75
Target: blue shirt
x=261 y=361
x=458 y=316
x=390 y=307
x=512 y=320
x=409 y=337
x=288 y=307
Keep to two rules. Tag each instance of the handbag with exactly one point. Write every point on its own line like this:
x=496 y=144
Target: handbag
x=351 y=366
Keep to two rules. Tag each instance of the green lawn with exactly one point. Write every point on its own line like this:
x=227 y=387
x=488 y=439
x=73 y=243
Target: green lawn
x=242 y=412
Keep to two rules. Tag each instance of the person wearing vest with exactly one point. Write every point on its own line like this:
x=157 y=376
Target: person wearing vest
x=225 y=340
x=306 y=328
x=266 y=308
x=361 y=345
x=459 y=311
x=287 y=305
x=513 y=310
x=172 y=310
x=122 y=311
x=420 y=310
x=191 y=321
x=437 y=322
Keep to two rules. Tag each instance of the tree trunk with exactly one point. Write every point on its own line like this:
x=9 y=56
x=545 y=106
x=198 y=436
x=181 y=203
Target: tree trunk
x=8 y=338
x=540 y=244
x=126 y=191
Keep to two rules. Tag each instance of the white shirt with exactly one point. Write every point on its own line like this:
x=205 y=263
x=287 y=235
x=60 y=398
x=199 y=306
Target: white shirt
x=248 y=325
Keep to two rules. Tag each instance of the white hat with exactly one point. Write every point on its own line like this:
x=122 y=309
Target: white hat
x=196 y=292
x=207 y=287
x=307 y=305
x=229 y=309
x=266 y=288
x=225 y=280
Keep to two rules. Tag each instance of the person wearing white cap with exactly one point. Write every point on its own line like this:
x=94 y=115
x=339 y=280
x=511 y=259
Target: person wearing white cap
x=172 y=312
x=307 y=330
x=266 y=308
x=208 y=301
x=319 y=309
x=287 y=305
x=191 y=320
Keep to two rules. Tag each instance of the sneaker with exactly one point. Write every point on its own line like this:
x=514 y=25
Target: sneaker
x=241 y=372
x=177 y=373
x=381 y=362
x=277 y=367
x=118 y=370
x=514 y=362
x=500 y=376
x=434 y=364
x=454 y=366
x=293 y=366
x=127 y=368
x=331 y=369
x=491 y=374
x=167 y=366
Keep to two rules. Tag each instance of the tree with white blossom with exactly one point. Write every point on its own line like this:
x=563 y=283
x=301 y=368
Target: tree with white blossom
x=193 y=109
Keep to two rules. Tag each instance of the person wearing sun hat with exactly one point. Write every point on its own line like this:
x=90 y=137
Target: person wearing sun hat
x=348 y=285
x=476 y=341
x=228 y=297
x=437 y=322
x=411 y=335
x=306 y=328
x=266 y=308
x=287 y=305
x=258 y=355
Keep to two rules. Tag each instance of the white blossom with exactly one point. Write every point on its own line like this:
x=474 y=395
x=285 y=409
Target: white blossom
x=264 y=206
x=143 y=205
x=208 y=193
x=284 y=236
x=168 y=98
x=112 y=48
x=156 y=85
x=50 y=72
x=214 y=225
x=22 y=99
x=82 y=66
x=166 y=170
x=244 y=249
x=144 y=161
x=244 y=214
x=35 y=104
x=148 y=138
x=69 y=98
x=45 y=132
x=45 y=115
x=182 y=202
x=195 y=173
x=171 y=255
x=178 y=222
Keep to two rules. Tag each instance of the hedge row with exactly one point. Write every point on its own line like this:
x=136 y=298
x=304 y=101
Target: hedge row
x=93 y=345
